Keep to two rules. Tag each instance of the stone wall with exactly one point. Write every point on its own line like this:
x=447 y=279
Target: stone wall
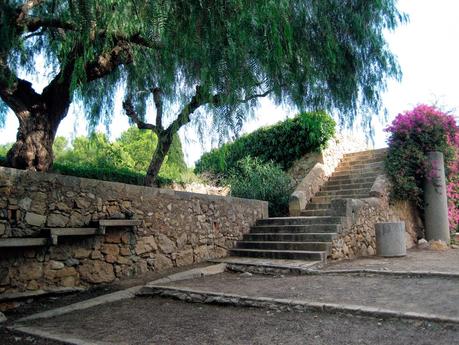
x=357 y=237
x=177 y=229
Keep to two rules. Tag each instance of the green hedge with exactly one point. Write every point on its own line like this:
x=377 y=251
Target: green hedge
x=100 y=173
x=105 y=173
x=282 y=143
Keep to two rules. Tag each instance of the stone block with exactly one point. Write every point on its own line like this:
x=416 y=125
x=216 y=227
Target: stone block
x=29 y=271
x=184 y=258
x=113 y=237
x=35 y=219
x=2 y=228
x=110 y=249
x=96 y=272
x=162 y=262
x=165 y=244
x=56 y=265
x=57 y=220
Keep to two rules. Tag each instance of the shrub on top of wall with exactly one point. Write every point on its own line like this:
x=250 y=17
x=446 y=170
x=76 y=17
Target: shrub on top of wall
x=412 y=135
x=282 y=143
x=252 y=179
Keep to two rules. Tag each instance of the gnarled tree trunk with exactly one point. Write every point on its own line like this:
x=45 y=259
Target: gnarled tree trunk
x=33 y=149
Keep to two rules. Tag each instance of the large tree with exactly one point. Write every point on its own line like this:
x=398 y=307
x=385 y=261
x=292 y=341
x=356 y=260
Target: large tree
x=220 y=55
x=224 y=55
x=79 y=41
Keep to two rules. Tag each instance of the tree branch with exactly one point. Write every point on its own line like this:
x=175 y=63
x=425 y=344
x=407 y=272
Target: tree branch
x=159 y=107
x=24 y=9
x=17 y=93
x=131 y=113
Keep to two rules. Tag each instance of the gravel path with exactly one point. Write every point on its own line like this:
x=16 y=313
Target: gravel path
x=423 y=295
x=162 y=321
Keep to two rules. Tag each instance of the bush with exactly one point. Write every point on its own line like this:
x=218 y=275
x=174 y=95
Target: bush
x=104 y=173
x=282 y=144
x=253 y=179
x=412 y=135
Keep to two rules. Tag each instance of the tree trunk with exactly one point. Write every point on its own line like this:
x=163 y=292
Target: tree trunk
x=164 y=143
x=33 y=149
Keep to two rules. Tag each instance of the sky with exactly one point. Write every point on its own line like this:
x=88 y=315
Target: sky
x=427 y=48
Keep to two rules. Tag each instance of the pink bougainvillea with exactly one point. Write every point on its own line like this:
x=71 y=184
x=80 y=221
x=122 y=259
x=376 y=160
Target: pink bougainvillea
x=412 y=135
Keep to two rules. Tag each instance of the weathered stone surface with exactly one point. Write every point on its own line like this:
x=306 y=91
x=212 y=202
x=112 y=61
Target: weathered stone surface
x=162 y=262
x=165 y=244
x=176 y=228
x=81 y=253
x=57 y=220
x=110 y=249
x=96 y=272
x=2 y=317
x=184 y=258
x=29 y=271
x=35 y=219
x=56 y=265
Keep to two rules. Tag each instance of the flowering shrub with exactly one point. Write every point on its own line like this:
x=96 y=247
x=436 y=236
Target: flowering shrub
x=412 y=135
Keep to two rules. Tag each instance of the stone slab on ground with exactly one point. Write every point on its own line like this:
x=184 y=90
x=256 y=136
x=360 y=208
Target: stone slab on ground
x=271 y=263
x=161 y=321
x=416 y=260
x=424 y=295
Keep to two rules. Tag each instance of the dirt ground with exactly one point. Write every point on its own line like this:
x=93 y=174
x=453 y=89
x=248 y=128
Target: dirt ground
x=163 y=321
x=415 y=260
x=405 y=294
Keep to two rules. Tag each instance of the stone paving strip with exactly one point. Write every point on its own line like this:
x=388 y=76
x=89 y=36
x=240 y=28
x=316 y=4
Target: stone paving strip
x=126 y=294
x=381 y=296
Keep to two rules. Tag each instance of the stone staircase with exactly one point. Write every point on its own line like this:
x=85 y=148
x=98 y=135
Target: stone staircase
x=310 y=236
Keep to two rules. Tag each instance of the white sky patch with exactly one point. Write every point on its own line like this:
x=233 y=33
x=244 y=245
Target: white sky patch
x=427 y=49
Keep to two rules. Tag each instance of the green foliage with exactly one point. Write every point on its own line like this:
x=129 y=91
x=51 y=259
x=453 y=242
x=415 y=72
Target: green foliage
x=253 y=179
x=282 y=143
x=104 y=173
x=413 y=135
x=319 y=54
x=124 y=160
x=4 y=149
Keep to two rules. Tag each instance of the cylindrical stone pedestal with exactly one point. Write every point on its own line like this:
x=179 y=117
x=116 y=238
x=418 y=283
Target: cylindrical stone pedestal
x=390 y=239
x=436 y=201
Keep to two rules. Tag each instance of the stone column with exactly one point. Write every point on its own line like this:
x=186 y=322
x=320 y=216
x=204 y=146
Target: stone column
x=435 y=199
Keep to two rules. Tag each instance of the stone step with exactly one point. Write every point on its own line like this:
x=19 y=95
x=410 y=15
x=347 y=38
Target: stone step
x=295 y=245
x=55 y=233
x=337 y=182
x=313 y=228
x=320 y=212
x=280 y=254
x=119 y=222
x=344 y=192
x=366 y=154
x=350 y=161
x=23 y=242
x=326 y=200
x=353 y=177
x=299 y=221
x=290 y=237
x=319 y=204
x=340 y=187
x=357 y=172
x=361 y=165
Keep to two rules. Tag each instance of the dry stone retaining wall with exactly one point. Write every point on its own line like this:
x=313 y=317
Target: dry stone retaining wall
x=178 y=229
x=358 y=236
